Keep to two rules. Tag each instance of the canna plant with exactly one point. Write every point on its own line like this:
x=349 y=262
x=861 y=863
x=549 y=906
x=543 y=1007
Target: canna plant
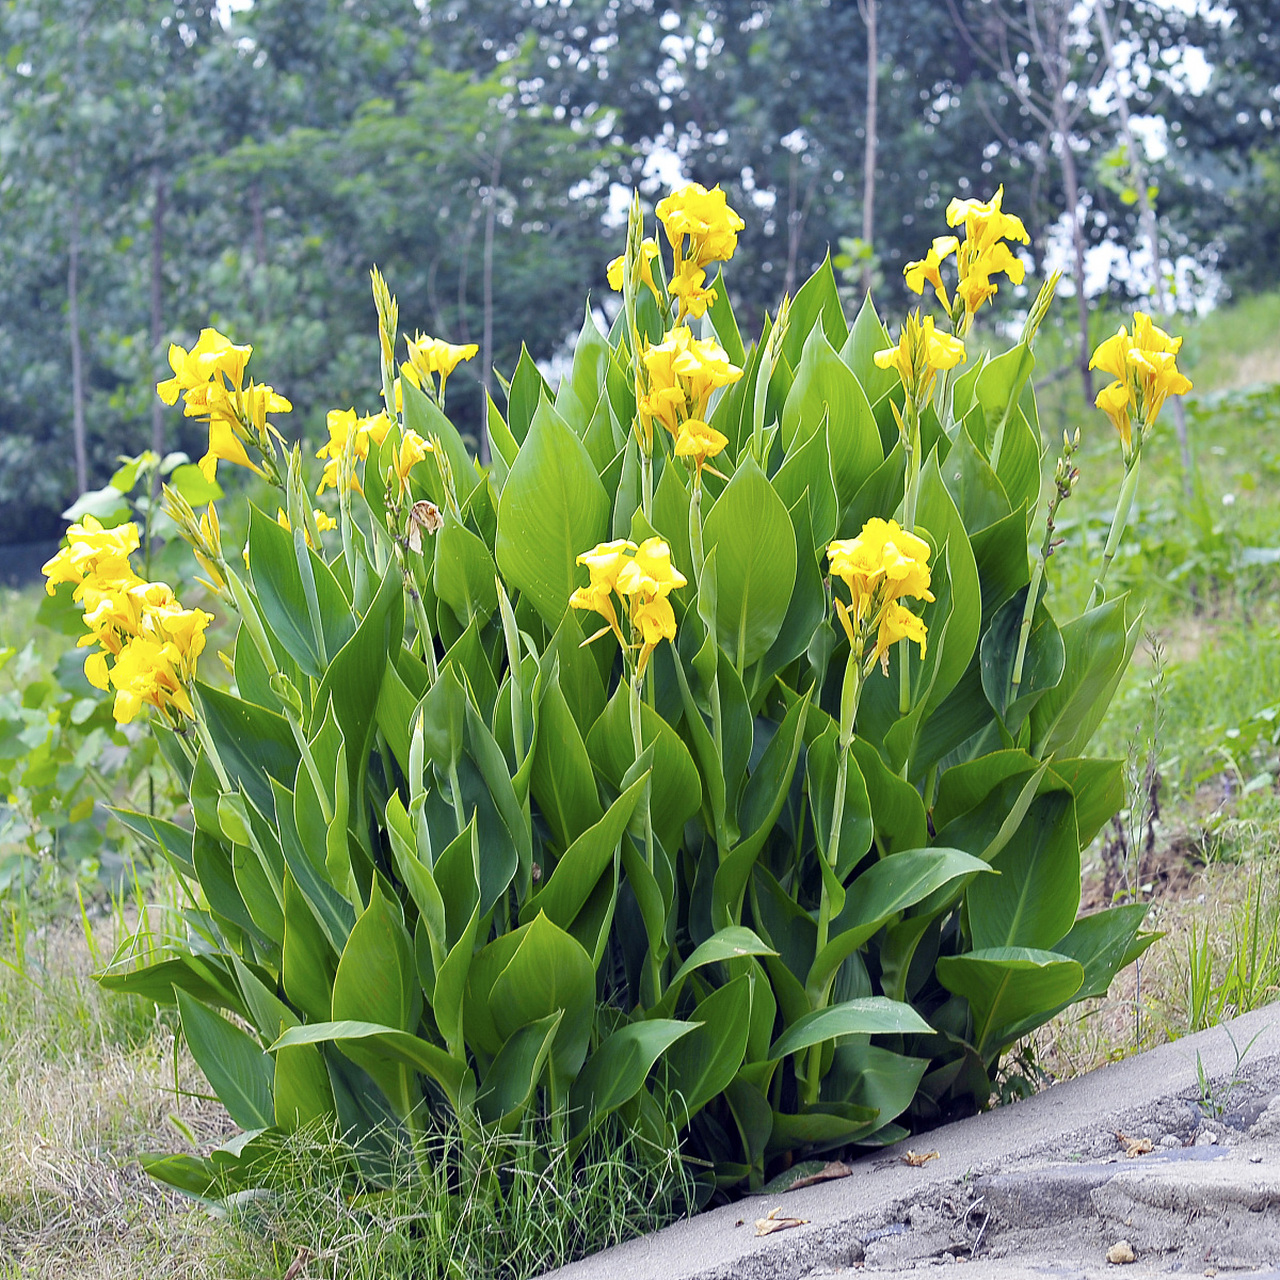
x=712 y=757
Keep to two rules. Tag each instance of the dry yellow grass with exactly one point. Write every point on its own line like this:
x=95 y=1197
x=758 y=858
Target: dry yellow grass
x=86 y=1083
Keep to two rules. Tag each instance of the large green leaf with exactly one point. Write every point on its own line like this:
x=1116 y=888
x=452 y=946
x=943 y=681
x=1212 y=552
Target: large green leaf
x=562 y=779
x=580 y=388
x=825 y=390
x=423 y=415
x=240 y=1073
x=807 y=469
x=816 y=305
x=255 y=745
x=548 y=972
x=731 y=943
x=553 y=508
x=1006 y=985
x=871 y=1015
x=514 y=1074
x=1043 y=660
x=869 y=1076
x=866 y=337
x=464 y=572
x=618 y=1068
x=701 y=1064
x=393 y=1046
x=882 y=891
x=755 y=563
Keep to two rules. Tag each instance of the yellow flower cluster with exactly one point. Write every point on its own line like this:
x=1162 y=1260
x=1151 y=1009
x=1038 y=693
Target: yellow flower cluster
x=921 y=352
x=324 y=522
x=1145 y=370
x=643 y=577
x=210 y=379
x=152 y=641
x=982 y=254
x=702 y=229
x=881 y=566
x=345 y=428
x=683 y=371
x=431 y=356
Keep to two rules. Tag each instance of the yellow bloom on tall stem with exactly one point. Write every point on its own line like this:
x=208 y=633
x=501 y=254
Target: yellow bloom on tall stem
x=704 y=219
x=882 y=565
x=413 y=448
x=429 y=357
x=648 y=252
x=1145 y=368
x=643 y=577
x=920 y=354
x=698 y=441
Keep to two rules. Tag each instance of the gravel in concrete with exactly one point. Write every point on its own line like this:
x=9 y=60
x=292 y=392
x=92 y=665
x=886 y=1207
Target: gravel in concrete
x=1040 y=1188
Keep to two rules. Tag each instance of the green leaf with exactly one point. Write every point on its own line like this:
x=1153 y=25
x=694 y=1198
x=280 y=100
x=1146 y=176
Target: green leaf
x=825 y=389
x=872 y=1015
x=423 y=415
x=398 y=1047
x=464 y=572
x=701 y=1064
x=376 y=979
x=1034 y=899
x=1098 y=646
x=309 y=961
x=584 y=862
x=514 y=1074
x=553 y=508
x=190 y=481
x=562 y=779
x=549 y=971
x=303 y=1093
x=978 y=494
x=885 y=889
x=808 y=468
x=528 y=388
x=580 y=388
x=1000 y=384
x=878 y=1079
x=1000 y=553
x=240 y=1073
x=1006 y=985
x=1104 y=943
x=755 y=563
x=255 y=745
x=866 y=337
x=731 y=943
x=816 y=305
x=677 y=787
x=617 y=1070
x=856 y=827
x=1043 y=662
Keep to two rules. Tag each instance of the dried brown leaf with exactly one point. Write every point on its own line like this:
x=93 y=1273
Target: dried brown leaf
x=918 y=1159
x=832 y=1169
x=770 y=1223
x=1134 y=1147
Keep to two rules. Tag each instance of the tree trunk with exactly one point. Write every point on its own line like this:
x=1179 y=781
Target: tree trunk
x=486 y=337
x=1071 y=183
x=77 y=362
x=1150 y=229
x=157 y=319
x=868 y=10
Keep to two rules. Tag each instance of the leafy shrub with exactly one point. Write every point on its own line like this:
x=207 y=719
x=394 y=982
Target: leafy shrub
x=764 y=832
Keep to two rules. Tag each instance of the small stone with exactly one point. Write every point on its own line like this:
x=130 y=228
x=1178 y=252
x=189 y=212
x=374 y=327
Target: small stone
x=1121 y=1252
x=1206 y=1139
x=1170 y=1140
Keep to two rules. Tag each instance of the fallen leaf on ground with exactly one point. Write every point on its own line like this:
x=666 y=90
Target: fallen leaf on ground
x=832 y=1169
x=1134 y=1146
x=770 y=1223
x=918 y=1159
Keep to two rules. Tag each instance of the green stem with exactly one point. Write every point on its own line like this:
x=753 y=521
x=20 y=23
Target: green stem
x=637 y=739
x=695 y=525
x=1124 y=502
x=850 y=695
x=1028 y=612
x=455 y=789
x=646 y=486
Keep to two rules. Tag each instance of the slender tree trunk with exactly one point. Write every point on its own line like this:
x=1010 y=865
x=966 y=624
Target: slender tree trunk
x=157 y=318
x=77 y=360
x=1150 y=229
x=259 y=225
x=1071 y=182
x=486 y=337
x=868 y=11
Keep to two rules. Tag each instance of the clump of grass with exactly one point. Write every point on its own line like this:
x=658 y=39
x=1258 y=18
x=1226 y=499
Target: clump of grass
x=523 y=1205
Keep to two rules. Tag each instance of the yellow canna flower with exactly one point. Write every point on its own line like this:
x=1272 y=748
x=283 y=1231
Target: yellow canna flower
x=92 y=551
x=1114 y=401
x=214 y=354
x=413 y=448
x=881 y=566
x=929 y=269
x=897 y=622
x=699 y=441
x=985 y=223
x=224 y=445
x=654 y=621
x=428 y=356
x=648 y=252
x=921 y=352
x=649 y=573
x=146 y=674
x=1144 y=366
x=705 y=219
x=686 y=285
x=605 y=561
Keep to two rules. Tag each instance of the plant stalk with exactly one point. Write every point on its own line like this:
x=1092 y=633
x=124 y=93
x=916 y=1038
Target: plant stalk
x=1124 y=502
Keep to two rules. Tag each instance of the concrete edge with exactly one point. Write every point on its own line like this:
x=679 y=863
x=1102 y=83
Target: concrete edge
x=712 y=1246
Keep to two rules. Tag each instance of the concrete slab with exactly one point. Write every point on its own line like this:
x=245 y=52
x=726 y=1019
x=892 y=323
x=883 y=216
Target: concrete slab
x=1039 y=1188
